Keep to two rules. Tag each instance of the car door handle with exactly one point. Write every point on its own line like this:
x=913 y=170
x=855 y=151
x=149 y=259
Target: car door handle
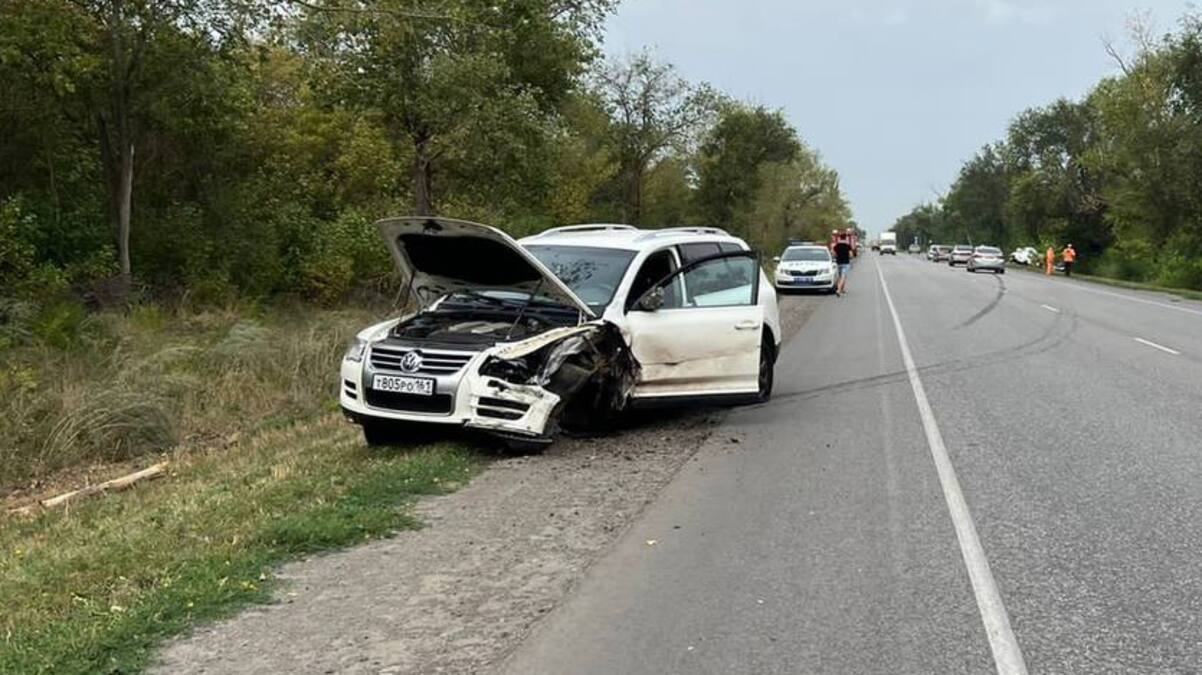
x=747 y=325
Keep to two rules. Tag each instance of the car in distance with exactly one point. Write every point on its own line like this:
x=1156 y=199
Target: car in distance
x=1025 y=255
x=959 y=255
x=808 y=267
x=987 y=258
x=564 y=328
x=938 y=252
x=915 y=248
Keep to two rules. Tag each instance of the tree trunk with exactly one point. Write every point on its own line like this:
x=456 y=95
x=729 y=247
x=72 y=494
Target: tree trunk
x=423 y=201
x=634 y=194
x=124 y=204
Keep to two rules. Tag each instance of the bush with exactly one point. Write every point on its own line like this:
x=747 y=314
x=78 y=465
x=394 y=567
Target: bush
x=1129 y=261
x=61 y=324
x=1180 y=272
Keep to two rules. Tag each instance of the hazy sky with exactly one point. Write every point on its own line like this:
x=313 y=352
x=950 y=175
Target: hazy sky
x=895 y=95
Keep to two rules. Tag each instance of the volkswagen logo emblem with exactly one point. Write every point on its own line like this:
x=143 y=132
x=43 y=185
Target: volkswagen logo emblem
x=411 y=362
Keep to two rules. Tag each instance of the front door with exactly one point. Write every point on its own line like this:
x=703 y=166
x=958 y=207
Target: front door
x=698 y=332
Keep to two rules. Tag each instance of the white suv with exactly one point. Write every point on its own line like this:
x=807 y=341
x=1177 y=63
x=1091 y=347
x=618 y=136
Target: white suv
x=564 y=327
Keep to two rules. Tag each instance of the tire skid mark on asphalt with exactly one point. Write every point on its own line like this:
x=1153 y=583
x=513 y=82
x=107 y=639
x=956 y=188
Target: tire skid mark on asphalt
x=997 y=298
x=1056 y=334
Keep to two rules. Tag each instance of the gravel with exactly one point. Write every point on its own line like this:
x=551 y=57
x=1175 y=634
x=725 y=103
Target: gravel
x=491 y=561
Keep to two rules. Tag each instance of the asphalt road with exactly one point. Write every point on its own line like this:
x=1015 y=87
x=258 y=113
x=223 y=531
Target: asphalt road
x=824 y=540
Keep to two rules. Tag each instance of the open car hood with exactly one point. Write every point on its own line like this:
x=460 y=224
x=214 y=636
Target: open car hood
x=437 y=256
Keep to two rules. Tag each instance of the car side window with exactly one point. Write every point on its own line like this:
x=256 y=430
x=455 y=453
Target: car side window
x=691 y=252
x=657 y=266
x=722 y=282
x=727 y=247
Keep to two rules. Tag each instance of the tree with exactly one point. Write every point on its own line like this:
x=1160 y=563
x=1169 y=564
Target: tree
x=976 y=202
x=744 y=139
x=469 y=88
x=653 y=111
x=117 y=70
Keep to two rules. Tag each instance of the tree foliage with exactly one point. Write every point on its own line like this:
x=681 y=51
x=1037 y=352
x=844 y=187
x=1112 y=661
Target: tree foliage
x=223 y=149
x=1118 y=173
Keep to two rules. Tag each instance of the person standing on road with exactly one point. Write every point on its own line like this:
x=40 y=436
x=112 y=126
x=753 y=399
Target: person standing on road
x=843 y=260
x=1070 y=257
x=1050 y=261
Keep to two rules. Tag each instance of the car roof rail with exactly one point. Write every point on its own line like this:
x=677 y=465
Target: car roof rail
x=590 y=227
x=698 y=229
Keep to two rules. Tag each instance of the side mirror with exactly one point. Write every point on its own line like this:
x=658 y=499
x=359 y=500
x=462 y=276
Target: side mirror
x=776 y=259
x=652 y=300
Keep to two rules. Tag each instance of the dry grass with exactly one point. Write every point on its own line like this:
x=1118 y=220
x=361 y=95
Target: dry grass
x=151 y=380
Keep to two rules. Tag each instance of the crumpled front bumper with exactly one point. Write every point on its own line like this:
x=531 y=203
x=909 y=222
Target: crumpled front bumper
x=521 y=389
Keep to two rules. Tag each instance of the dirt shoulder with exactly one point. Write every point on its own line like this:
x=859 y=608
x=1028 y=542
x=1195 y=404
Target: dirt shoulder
x=492 y=559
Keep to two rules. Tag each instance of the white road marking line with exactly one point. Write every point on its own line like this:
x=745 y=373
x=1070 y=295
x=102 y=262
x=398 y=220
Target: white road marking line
x=1187 y=310
x=1162 y=348
x=1007 y=656
x=1050 y=308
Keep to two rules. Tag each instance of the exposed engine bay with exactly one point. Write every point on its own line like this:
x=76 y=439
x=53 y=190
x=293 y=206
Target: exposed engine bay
x=485 y=318
x=456 y=327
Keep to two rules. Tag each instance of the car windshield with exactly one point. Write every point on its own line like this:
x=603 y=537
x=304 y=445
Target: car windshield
x=592 y=273
x=813 y=254
x=989 y=250
x=963 y=247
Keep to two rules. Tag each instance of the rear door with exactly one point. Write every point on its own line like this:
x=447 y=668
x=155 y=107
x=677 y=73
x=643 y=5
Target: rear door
x=704 y=339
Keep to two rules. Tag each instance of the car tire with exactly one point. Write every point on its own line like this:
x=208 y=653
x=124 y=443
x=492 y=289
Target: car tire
x=767 y=368
x=379 y=433
x=1001 y=271
x=522 y=447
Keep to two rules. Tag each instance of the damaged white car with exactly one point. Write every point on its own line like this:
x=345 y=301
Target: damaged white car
x=563 y=329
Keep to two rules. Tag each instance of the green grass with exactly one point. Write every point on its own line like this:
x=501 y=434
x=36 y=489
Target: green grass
x=1186 y=293
x=93 y=589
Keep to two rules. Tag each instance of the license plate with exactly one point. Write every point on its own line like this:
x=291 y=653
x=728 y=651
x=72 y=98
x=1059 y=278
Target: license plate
x=421 y=386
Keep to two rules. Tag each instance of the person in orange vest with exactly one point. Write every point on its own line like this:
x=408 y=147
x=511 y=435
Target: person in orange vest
x=1070 y=257
x=1050 y=257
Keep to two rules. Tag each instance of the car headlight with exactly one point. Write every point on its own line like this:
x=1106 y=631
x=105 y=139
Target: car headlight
x=355 y=350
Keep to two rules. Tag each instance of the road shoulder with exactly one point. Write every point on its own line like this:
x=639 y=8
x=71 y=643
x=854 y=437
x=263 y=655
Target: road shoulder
x=493 y=559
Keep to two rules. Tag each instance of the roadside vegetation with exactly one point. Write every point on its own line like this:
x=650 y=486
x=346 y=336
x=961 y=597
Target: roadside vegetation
x=163 y=161
x=94 y=587
x=1116 y=173
x=112 y=386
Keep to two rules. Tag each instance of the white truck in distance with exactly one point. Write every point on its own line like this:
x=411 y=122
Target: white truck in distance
x=889 y=243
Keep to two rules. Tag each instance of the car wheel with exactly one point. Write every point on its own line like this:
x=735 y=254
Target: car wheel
x=378 y=433
x=767 y=366
x=1001 y=271
x=520 y=446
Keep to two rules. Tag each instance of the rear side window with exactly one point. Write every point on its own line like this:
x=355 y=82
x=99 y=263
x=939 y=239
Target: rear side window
x=729 y=247
x=691 y=252
x=723 y=282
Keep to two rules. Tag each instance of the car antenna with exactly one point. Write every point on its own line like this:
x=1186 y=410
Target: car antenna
x=522 y=311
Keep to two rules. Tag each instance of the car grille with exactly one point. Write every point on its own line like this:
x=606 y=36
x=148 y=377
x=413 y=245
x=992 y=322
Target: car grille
x=391 y=400
x=804 y=273
x=434 y=362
